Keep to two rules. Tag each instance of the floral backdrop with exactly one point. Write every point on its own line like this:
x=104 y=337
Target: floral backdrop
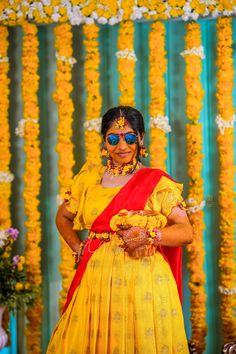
x=80 y=59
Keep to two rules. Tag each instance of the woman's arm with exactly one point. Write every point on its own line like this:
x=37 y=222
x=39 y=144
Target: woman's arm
x=64 y=222
x=178 y=231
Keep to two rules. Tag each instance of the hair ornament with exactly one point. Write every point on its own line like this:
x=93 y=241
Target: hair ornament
x=120 y=121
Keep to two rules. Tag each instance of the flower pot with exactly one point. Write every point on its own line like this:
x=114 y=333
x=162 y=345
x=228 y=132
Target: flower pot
x=3 y=335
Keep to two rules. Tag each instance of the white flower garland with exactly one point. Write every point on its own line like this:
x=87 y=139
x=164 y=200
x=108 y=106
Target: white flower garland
x=160 y=122
x=189 y=13
x=222 y=124
x=69 y=60
x=227 y=291
x=194 y=51
x=93 y=124
x=193 y=207
x=75 y=16
x=4 y=59
x=138 y=12
x=20 y=129
x=27 y=9
x=6 y=177
x=126 y=53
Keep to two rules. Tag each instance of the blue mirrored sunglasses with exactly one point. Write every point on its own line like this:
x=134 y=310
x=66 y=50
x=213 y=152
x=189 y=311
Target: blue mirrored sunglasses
x=129 y=138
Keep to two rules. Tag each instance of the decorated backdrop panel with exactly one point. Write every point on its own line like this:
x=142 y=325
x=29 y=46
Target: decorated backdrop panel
x=81 y=71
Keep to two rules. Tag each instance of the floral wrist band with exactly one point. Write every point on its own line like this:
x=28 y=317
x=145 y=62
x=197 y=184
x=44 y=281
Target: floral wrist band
x=142 y=218
x=155 y=236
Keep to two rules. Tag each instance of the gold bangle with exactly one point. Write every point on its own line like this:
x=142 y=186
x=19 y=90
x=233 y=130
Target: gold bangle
x=78 y=254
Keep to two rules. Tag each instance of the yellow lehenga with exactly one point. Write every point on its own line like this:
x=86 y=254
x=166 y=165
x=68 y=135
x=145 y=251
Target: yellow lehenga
x=122 y=305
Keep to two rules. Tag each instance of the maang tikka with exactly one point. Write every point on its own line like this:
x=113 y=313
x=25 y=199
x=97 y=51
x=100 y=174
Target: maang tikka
x=120 y=121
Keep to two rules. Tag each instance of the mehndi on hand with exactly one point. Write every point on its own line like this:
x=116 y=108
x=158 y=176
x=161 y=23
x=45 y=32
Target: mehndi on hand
x=134 y=237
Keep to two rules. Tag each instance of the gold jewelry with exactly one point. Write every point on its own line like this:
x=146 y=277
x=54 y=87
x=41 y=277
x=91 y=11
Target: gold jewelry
x=78 y=254
x=120 y=122
x=122 y=170
x=104 y=153
x=143 y=151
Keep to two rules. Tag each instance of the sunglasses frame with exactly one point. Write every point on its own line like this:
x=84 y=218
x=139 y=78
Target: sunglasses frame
x=122 y=135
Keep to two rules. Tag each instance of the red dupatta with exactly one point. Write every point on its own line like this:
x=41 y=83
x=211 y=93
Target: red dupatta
x=132 y=196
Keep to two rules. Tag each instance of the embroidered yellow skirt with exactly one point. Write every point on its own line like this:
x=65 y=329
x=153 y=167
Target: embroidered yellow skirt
x=122 y=306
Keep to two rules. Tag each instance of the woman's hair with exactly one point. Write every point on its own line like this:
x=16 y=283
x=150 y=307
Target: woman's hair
x=132 y=115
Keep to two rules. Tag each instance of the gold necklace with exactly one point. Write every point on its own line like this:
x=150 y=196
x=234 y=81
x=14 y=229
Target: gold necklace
x=122 y=170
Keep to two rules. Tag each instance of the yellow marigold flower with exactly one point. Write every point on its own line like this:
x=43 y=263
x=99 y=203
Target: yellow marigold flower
x=22 y=260
x=19 y=267
x=19 y=286
x=27 y=286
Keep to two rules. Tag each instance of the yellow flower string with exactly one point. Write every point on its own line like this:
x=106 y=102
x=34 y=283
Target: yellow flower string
x=158 y=121
x=94 y=99
x=196 y=253
x=225 y=141
x=107 y=9
x=140 y=219
x=127 y=7
x=77 y=12
x=5 y=175
x=126 y=63
x=32 y=179
x=63 y=45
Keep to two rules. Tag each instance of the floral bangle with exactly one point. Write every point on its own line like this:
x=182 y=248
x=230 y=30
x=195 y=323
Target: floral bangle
x=155 y=236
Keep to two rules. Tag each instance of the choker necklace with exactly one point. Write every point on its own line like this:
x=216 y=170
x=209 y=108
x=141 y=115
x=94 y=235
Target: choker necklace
x=122 y=170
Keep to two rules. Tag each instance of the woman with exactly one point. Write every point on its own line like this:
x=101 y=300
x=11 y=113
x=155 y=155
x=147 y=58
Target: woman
x=124 y=296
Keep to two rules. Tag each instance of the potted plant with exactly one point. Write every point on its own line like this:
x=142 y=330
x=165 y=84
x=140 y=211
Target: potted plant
x=15 y=291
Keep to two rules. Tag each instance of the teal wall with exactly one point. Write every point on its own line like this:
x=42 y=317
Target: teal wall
x=176 y=163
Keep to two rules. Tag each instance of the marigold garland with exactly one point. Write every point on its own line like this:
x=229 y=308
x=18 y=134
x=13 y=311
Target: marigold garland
x=138 y=219
x=225 y=141
x=94 y=99
x=63 y=45
x=5 y=176
x=196 y=253
x=5 y=184
x=126 y=63
x=157 y=69
x=77 y=12
x=32 y=179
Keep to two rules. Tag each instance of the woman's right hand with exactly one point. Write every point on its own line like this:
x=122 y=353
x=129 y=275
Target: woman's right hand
x=134 y=237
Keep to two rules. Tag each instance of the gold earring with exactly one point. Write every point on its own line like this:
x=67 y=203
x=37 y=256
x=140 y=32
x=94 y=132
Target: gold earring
x=104 y=153
x=143 y=151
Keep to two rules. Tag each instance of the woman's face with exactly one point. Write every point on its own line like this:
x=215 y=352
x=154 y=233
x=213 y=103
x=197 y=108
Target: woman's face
x=123 y=152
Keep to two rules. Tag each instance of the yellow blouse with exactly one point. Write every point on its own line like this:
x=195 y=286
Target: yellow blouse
x=88 y=198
